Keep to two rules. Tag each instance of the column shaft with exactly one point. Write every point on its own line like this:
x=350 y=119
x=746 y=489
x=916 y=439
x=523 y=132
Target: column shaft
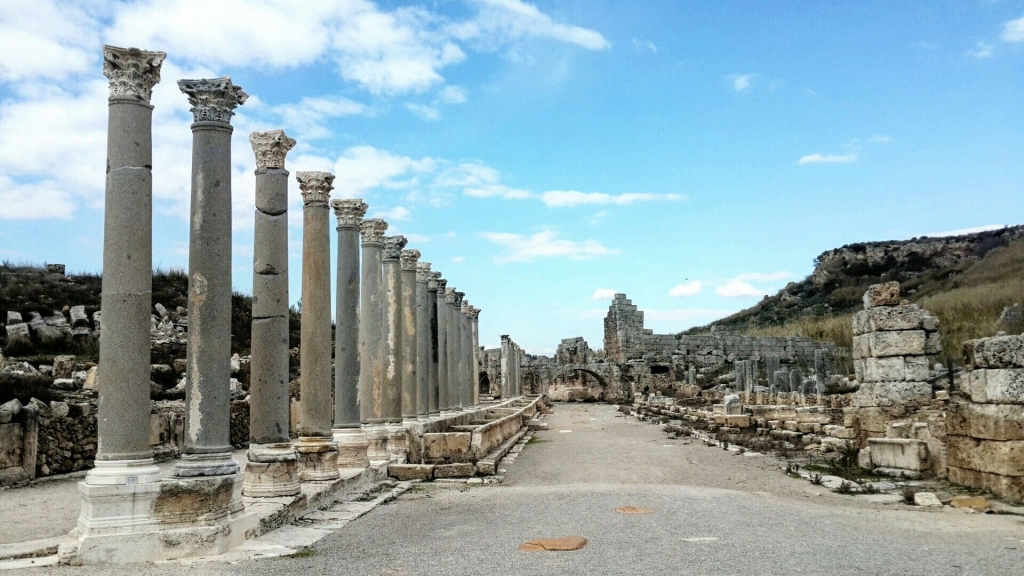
x=392 y=329
x=433 y=298
x=422 y=342
x=442 y=347
x=409 y=347
x=371 y=336
x=452 y=333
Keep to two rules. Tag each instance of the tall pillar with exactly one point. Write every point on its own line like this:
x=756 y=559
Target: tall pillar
x=207 y=446
x=410 y=350
x=474 y=319
x=348 y=434
x=422 y=342
x=433 y=298
x=123 y=455
x=467 y=355
x=444 y=407
x=505 y=366
x=318 y=453
x=272 y=468
x=392 y=347
x=371 y=334
x=452 y=333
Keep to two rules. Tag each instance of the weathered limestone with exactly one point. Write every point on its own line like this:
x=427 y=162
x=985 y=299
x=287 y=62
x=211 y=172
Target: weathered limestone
x=474 y=317
x=392 y=344
x=348 y=434
x=318 y=453
x=455 y=351
x=272 y=469
x=466 y=329
x=434 y=297
x=207 y=446
x=505 y=365
x=371 y=338
x=444 y=338
x=410 y=348
x=422 y=341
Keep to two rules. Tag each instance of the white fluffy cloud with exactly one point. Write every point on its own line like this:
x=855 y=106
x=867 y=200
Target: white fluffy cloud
x=1013 y=31
x=742 y=82
x=569 y=198
x=981 y=50
x=819 y=158
x=306 y=118
x=688 y=289
x=544 y=244
x=738 y=289
x=498 y=20
x=396 y=214
x=603 y=294
x=763 y=276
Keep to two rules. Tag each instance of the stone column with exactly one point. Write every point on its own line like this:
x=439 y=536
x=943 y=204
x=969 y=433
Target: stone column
x=272 y=469
x=123 y=455
x=348 y=434
x=207 y=446
x=474 y=318
x=444 y=407
x=409 y=258
x=433 y=298
x=505 y=364
x=453 y=300
x=467 y=355
x=392 y=347
x=318 y=453
x=422 y=342
x=371 y=334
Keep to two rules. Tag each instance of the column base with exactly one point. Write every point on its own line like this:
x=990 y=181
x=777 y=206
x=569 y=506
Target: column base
x=215 y=464
x=272 y=471
x=108 y=472
x=352 y=446
x=318 y=459
x=398 y=443
x=377 y=444
x=423 y=418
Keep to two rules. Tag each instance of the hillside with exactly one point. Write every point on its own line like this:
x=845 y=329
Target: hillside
x=966 y=281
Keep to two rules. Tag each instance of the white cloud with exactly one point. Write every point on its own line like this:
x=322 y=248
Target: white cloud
x=497 y=191
x=360 y=169
x=742 y=82
x=424 y=111
x=688 y=289
x=544 y=244
x=306 y=117
x=964 y=231
x=763 y=277
x=981 y=50
x=569 y=198
x=501 y=20
x=459 y=259
x=819 y=158
x=452 y=95
x=33 y=202
x=1013 y=31
x=603 y=294
x=418 y=238
x=46 y=39
x=644 y=46
x=396 y=214
x=738 y=289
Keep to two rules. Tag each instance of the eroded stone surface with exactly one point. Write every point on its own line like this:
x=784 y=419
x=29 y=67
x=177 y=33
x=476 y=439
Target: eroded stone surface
x=564 y=543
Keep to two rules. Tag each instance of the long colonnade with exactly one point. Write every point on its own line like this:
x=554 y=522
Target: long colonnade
x=406 y=345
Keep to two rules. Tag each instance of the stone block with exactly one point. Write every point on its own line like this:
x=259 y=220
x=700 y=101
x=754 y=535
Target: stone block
x=78 y=317
x=902 y=317
x=460 y=470
x=1005 y=458
x=986 y=421
x=11 y=440
x=995 y=352
x=995 y=386
x=889 y=369
x=916 y=368
x=1008 y=487
x=738 y=420
x=861 y=322
x=887 y=294
x=975 y=502
x=405 y=472
x=842 y=432
x=859 y=369
x=17 y=332
x=903 y=453
x=927 y=499
x=902 y=343
x=861 y=346
x=446 y=444
x=890 y=394
x=933 y=345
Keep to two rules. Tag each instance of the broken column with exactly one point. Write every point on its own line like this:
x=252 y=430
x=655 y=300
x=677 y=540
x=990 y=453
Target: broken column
x=422 y=341
x=820 y=371
x=272 y=468
x=318 y=453
x=207 y=445
x=124 y=458
x=392 y=347
x=371 y=336
x=410 y=349
x=891 y=341
x=434 y=290
x=348 y=434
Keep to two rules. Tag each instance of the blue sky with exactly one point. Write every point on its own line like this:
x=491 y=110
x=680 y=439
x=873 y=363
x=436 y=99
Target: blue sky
x=545 y=154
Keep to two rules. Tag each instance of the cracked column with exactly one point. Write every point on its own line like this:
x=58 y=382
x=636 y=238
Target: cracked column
x=474 y=319
x=452 y=348
x=422 y=342
x=318 y=453
x=207 y=446
x=371 y=336
x=392 y=347
x=467 y=355
x=442 y=347
x=272 y=469
x=348 y=434
x=410 y=349
x=433 y=297
x=123 y=454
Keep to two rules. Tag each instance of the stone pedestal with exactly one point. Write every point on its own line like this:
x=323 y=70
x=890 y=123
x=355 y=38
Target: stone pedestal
x=272 y=471
x=352 y=447
x=398 y=443
x=318 y=459
x=376 y=443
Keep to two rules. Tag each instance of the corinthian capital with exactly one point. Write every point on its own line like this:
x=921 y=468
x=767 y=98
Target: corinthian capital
x=423 y=272
x=474 y=313
x=213 y=99
x=458 y=299
x=466 y=307
x=315 y=186
x=434 y=281
x=372 y=230
x=449 y=296
x=393 y=247
x=270 y=148
x=349 y=211
x=409 y=259
x=132 y=72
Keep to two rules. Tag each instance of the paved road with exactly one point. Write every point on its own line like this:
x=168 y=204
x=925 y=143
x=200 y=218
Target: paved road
x=714 y=513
